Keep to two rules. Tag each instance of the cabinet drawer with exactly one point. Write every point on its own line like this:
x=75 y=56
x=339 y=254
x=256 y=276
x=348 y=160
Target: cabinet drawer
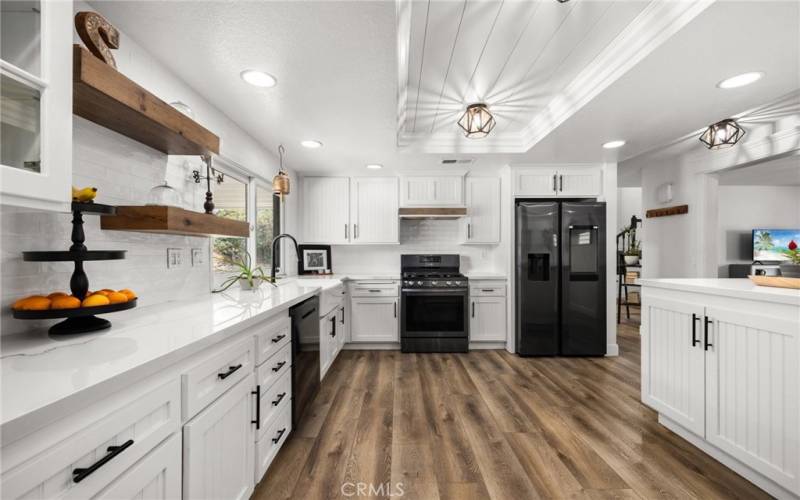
x=104 y=449
x=487 y=289
x=267 y=447
x=207 y=380
x=269 y=372
x=384 y=289
x=271 y=337
x=156 y=477
x=273 y=400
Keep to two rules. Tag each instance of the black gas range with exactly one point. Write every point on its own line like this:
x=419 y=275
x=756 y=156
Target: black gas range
x=434 y=297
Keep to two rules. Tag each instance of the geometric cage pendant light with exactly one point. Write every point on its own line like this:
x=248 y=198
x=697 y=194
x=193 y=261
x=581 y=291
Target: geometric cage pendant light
x=477 y=121
x=722 y=134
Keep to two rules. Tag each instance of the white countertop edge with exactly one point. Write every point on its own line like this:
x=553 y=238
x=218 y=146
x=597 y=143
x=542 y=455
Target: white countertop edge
x=728 y=287
x=485 y=276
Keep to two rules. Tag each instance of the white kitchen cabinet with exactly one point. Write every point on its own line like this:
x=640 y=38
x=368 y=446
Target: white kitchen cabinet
x=219 y=447
x=373 y=210
x=326 y=210
x=432 y=190
x=673 y=373
x=487 y=320
x=553 y=181
x=155 y=477
x=329 y=329
x=482 y=224
x=344 y=328
x=36 y=101
x=374 y=319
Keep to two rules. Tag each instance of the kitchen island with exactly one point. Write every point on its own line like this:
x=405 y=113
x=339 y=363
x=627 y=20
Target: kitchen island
x=720 y=366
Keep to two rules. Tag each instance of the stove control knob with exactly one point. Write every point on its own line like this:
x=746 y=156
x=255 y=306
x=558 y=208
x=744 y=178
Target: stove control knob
x=434 y=283
x=419 y=283
x=449 y=283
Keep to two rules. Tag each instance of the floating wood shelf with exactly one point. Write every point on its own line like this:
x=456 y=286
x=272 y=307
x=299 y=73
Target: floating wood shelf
x=105 y=96
x=432 y=212
x=172 y=220
x=666 y=212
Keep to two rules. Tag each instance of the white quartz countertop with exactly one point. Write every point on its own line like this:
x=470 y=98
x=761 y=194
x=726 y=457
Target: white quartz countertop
x=730 y=287
x=38 y=371
x=477 y=275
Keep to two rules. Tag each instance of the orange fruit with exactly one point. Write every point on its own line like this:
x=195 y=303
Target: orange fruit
x=33 y=303
x=56 y=294
x=104 y=293
x=129 y=293
x=95 y=300
x=65 y=302
x=117 y=297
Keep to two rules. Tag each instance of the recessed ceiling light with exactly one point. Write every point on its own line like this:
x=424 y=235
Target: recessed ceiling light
x=258 y=78
x=375 y=166
x=614 y=144
x=740 y=80
x=310 y=144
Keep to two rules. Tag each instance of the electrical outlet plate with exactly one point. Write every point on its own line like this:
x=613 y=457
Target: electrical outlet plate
x=174 y=258
x=197 y=256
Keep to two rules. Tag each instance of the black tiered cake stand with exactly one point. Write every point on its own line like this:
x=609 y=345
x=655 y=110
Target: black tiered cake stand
x=82 y=319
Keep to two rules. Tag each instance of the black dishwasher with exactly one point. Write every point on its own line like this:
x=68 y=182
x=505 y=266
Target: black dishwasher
x=305 y=355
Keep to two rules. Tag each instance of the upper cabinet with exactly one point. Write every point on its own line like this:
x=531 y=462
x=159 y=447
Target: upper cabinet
x=558 y=181
x=343 y=210
x=482 y=224
x=36 y=104
x=433 y=190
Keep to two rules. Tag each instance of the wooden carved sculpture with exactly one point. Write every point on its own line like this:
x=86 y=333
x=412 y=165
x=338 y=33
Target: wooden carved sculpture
x=98 y=35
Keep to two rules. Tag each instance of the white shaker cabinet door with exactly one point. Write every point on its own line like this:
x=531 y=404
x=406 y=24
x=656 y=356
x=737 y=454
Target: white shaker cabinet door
x=326 y=210
x=374 y=319
x=579 y=181
x=487 y=320
x=218 y=447
x=374 y=210
x=673 y=361
x=483 y=210
x=156 y=477
x=535 y=181
x=753 y=388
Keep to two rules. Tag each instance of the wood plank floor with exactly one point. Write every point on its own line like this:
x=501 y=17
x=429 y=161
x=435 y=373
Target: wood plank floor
x=490 y=425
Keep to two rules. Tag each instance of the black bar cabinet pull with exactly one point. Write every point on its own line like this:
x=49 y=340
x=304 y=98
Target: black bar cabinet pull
x=554 y=182
x=695 y=341
x=395 y=308
x=487 y=289
x=280 y=398
x=277 y=339
x=278 y=366
x=231 y=369
x=279 y=436
x=333 y=326
x=342 y=321
x=561 y=183
x=257 y=394
x=473 y=308
x=82 y=473
x=705 y=339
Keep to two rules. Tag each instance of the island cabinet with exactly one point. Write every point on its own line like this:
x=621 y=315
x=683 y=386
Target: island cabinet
x=722 y=371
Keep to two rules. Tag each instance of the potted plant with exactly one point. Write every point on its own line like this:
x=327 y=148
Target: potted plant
x=248 y=277
x=791 y=269
x=633 y=253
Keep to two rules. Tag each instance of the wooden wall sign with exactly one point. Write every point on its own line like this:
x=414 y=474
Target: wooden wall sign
x=663 y=212
x=99 y=36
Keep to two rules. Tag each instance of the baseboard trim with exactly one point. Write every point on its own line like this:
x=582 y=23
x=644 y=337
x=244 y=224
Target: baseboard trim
x=612 y=349
x=479 y=346
x=372 y=346
x=728 y=461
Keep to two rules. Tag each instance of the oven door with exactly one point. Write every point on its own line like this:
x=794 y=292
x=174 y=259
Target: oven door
x=434 y=313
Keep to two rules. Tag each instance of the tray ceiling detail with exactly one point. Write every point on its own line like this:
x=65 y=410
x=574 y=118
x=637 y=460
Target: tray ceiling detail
x=534 y=63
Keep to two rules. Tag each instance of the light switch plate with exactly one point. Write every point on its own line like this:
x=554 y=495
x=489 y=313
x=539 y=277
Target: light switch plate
x=197 y=256
x=174 y=258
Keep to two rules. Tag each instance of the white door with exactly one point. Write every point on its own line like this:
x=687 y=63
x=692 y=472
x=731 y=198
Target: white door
x=374 y=319
x=374 y=207
x=487 y=319
x=341 y=332
x=535 y=181
x=579 y=181
x=432 y=190
x=156 y=477
x=326 y=210
x=326 y=340
x=218 y=447
x=673 y=361
x=753 y=388
x=483 y=210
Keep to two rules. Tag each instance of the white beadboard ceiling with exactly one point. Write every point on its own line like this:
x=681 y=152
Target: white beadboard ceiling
x=384 y=82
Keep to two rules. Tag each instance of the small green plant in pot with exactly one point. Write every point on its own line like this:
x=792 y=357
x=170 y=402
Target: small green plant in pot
x=634 y=251
x=248 y=277
x=791 y=269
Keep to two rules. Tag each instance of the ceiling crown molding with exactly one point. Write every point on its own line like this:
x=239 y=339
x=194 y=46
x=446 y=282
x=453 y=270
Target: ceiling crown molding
x=659 y=21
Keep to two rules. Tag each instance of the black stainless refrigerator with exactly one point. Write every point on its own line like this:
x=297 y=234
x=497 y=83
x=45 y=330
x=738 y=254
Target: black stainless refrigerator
x=560 y=278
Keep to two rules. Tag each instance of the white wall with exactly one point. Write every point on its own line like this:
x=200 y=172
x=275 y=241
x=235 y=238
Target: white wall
x=629 y=202
x=124 y=171
x=744 y=208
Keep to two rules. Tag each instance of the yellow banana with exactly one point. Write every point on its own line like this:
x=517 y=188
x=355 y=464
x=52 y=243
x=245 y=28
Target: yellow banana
x=83 y=195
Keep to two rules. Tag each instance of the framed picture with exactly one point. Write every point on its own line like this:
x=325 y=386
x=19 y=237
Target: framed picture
x=315 y=259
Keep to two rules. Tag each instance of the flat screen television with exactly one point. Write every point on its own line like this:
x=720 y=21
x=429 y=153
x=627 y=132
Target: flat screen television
x=772 y=245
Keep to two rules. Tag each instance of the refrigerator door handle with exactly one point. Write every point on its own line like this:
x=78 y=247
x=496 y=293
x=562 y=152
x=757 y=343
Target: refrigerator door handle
x=555 y=240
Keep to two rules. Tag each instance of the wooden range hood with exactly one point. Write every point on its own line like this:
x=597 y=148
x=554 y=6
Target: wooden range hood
x=432 y=212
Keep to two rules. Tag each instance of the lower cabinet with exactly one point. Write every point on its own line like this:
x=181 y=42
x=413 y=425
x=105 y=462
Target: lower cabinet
x=374 y=319
x=155 y=477
x=487 y=311
x=218 y=447
x=332 y=334
x=273 y=438
x=727 y=371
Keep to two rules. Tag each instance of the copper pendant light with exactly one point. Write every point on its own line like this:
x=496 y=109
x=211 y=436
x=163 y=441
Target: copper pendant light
x=477 y=121
x=280 y=183
x=722 y=134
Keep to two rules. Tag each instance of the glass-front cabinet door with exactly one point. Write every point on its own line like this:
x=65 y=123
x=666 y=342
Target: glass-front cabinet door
x=36 y=103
